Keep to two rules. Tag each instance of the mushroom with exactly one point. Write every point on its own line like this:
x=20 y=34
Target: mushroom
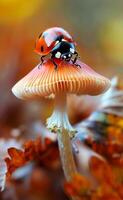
x=50 y=83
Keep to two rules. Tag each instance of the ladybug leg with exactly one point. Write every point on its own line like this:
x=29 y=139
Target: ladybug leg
x=42 y=60
x=54 y=64
x=75 y=59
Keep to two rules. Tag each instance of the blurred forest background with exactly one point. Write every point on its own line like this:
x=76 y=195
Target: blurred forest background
x=96 y=26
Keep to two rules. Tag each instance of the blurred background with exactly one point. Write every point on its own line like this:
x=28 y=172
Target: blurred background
x=96 y=26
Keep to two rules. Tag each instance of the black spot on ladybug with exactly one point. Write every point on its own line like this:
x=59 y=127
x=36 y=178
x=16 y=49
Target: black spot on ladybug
x=59 y=38
x=42 y=48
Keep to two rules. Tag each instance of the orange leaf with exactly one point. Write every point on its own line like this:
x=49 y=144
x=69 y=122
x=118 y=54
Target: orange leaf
x=34 y=150
x=105 y=192
x=79 y=186
x=17 y=159
x=102 y=171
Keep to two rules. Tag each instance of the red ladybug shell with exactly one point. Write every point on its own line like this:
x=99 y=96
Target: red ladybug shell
x=47 y=40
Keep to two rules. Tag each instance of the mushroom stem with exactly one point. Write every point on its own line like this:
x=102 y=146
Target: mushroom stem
x=59 y=123
x=67 y=159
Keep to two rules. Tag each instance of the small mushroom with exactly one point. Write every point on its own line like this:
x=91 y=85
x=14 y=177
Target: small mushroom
x=45 y=81
x=48 y=82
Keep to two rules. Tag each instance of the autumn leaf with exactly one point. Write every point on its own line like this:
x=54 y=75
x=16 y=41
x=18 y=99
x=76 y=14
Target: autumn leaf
x=4 y=145
x=102 y=171
x=33 y=150
x=106 y=188
x=105 y=192
x=79 y=186
x=16 y=159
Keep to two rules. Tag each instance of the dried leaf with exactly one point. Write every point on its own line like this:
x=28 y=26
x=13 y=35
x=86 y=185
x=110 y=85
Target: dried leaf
x=17 y=159
x=79 y=186
x=107 y=186
x=104 y=127
x=102 y=171
x=4 y=145
x=105 y=192
x=34 y=150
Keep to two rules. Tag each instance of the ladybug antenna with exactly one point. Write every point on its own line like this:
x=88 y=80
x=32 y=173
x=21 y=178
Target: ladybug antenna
x=40 y=35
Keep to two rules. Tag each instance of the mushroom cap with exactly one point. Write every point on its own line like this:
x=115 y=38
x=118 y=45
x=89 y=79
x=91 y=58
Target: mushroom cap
x=46 y=81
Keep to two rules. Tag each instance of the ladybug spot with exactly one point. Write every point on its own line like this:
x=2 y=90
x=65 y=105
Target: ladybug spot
x=59 y=38
x=42 y=48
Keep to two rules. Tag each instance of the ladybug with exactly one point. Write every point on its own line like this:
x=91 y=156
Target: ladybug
x=58 y=43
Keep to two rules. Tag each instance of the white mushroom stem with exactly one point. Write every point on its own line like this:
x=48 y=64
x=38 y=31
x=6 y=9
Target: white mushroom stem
x=66 y=154
x=59 y=123
x=59 y=120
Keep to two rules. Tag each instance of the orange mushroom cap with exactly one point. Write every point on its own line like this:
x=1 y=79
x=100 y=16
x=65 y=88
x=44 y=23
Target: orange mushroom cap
x=45 y=81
